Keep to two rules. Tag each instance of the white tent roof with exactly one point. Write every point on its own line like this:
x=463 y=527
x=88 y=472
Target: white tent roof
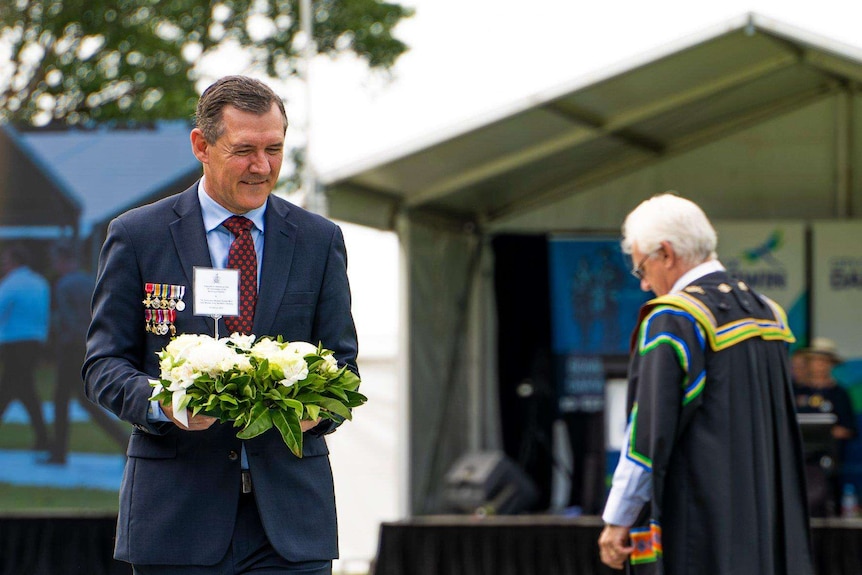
x=596 y=129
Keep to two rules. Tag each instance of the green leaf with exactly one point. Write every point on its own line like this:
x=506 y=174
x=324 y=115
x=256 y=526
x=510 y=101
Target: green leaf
x=297 y=406
x=273 y=394
x=185 y=402
x=313 y=362
x=336 y=407
x=259 y=421
x=309 y=397
x=355 y=399
x=349 y=380
x=341 y=394
x=313 y=411
x=287 y=423
x=227 y=398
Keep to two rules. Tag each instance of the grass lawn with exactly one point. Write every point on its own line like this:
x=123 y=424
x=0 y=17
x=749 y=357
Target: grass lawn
x=84 y=437
x=24 y=498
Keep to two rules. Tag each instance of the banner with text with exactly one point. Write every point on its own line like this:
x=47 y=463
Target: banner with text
x=770 y=257
x=837 y=284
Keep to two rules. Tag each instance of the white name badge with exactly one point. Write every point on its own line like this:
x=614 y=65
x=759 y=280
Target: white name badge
x=216 y=292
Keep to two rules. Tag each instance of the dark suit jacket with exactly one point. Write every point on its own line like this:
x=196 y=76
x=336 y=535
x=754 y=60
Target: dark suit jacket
x=179 y=493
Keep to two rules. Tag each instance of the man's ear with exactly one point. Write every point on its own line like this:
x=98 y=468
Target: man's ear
x=200 y=147
x=669 y=256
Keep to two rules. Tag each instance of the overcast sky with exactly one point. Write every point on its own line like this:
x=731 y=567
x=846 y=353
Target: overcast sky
x=470 y=58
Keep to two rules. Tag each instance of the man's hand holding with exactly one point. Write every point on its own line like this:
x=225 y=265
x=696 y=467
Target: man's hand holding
x=197 y=422
x=307 y=424
x=614 y=546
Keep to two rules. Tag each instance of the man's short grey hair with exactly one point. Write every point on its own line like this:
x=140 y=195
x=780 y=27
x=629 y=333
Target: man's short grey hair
x=241 y=92
x=670 y=218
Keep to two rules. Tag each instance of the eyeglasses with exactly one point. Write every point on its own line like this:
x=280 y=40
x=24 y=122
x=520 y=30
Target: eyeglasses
x=638 y=271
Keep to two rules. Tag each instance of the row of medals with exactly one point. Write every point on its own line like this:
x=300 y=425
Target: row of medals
x=162 y=303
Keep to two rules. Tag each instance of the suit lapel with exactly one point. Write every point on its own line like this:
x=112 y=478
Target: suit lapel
x=190 y=242
x=279 y=245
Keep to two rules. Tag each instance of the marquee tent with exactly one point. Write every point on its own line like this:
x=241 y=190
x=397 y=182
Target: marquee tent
x=752 y=119
x=25 y=190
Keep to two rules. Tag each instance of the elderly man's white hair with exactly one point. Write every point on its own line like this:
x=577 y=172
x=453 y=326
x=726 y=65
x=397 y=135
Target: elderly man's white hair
x=670 y=218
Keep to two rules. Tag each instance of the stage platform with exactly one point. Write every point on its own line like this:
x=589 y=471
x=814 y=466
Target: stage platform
x=80 y=544
x=52 y=543
x=544 y=545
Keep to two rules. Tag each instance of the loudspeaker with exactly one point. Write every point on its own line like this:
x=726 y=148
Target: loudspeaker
x=488 y=483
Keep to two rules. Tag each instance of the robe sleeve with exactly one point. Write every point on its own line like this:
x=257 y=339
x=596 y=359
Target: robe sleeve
x=671 y=349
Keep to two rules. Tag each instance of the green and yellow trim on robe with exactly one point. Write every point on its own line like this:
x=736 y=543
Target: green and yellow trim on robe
x=724 y=336
x=638 y=458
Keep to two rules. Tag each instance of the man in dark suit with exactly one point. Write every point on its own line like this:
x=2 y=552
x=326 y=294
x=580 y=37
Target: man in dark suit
x=195 y=499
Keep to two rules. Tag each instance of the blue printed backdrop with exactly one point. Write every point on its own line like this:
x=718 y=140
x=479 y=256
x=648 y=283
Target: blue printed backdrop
x=594 y=298
x=46 y=460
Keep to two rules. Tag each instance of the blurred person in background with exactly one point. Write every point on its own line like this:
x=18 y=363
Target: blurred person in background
x=70 y=318
x=24 y=309
x=820 y=393
x=711 y=480
x=799 y=368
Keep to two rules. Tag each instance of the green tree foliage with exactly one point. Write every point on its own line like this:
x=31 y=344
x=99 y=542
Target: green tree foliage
x=80 y=61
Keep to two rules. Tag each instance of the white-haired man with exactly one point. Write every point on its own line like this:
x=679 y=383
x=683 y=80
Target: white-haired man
x=710 y=480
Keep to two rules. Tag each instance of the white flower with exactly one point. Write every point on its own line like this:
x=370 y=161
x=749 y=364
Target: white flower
x=284 y=357
x=265 y=348
x=211 y=357
x=329 y=365
x=179 y=347
x=242 y=362
x=166 y=363
x=301 y=348
x=243 y=342
x=293 y=366
x=182 y=377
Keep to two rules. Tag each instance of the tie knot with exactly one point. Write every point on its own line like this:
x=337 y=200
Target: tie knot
x=237 y=224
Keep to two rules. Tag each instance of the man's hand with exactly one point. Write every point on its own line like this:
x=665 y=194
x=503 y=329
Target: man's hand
x=614 y=546
x=200 y=421
x=307 y=424
x=197 y=422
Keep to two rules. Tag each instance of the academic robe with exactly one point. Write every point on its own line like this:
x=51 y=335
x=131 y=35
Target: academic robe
x=712 y=418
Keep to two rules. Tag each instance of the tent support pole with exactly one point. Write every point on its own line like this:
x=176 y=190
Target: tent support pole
x=843 y=153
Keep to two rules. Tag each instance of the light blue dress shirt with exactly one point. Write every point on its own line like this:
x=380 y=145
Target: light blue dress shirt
x=219 y=237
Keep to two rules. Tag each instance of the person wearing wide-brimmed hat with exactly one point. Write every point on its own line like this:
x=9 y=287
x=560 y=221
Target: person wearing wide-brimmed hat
x=820 y=393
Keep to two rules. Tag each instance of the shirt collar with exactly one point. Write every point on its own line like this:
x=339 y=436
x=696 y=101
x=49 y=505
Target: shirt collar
x=214 y=214
x=696 y=273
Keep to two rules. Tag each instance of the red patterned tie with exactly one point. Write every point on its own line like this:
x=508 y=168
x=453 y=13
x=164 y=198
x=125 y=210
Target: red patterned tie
x=242 y=257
